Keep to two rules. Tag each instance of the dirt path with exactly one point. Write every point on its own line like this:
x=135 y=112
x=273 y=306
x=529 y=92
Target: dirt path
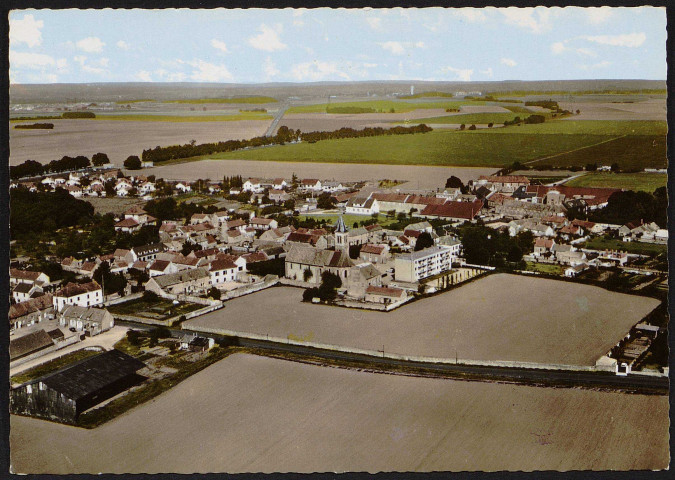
x=573 y=150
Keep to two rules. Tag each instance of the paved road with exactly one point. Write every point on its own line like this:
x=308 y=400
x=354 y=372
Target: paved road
x=563 y=378
x=277 y=119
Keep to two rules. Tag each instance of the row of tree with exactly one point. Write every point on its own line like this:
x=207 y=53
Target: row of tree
x=31 y=168
x=528 y=120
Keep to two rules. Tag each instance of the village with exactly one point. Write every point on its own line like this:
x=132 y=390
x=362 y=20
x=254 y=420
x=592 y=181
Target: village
x=368 y=245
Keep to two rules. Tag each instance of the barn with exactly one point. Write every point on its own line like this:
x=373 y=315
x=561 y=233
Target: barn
x=64 y=394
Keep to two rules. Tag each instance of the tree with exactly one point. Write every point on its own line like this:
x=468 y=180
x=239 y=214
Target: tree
x=329 y=285
x=99 y=159
x=307 y=274
x=309 y=294
x=472 y=127
x=214 y=293
x=578 y=111
x=132 y=162
x=490 y=125
x=424 y=241
x=454 y=182
x=325 y=201
x=615 y=168
x=591 y=167
x=462 y=126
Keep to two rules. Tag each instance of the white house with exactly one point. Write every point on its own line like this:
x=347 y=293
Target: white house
x=253 y=185
x=183 y=187
x=82 y=294
x=309 y=184
x=223 y=271
x=279 y=184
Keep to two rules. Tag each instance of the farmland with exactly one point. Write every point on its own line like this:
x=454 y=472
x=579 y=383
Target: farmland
x=475 y=118
x=604 y=243
x=305 y=418
x=647 y=182
x=582 y=322
x=384 y=106
x=477 y=148
x=235 y=100
x=185 y=118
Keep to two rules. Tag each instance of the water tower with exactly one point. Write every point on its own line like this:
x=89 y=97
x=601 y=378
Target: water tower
x=412 y=90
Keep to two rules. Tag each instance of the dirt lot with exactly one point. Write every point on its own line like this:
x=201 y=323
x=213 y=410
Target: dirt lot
x=420 y=177
x=651 y=109
x=116 y=205
x=499 y=317
x=119 y=139
x=269 y=415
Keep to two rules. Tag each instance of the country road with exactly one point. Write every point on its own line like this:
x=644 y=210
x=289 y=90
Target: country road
x=277 y=119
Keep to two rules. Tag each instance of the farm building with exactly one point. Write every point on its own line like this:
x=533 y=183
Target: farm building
x=66 y=393
x=90 y=320
x=29 y=344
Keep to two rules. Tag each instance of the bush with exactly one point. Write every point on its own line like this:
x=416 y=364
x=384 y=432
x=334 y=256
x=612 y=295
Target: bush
x=134 y=337
x=309 y=294
x=214 y=293
x=78 y=115
x=132 y=162
x=149 y=296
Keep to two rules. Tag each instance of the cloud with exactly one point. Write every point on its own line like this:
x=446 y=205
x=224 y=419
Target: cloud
x=30 y=60
x=375 y=23
x=586 y=51
x=463 y=74
x=487 y=72
x=270 y=68
x=394 y=47
x=470 y=15
x=316 y=71
x=122 y=45
x=209 y=72
x=144 y=76
x=96 y=66
x=509 y=62
x=597 y=15
x=631 y=40
x=537 y=20
x=219 y=45
x=268 y=39
x=166 y=76
x=26 y=30
x=558 y=47
x=90 y=45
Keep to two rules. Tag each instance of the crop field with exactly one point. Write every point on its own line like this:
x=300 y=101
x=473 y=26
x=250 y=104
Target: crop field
x=383 y=106
x=476 y=321
x=617 y=108
x=236 y=100
x=257 y=414
x=475 y=118
x=642 y=248
x=476 y=148
x=418 y=177
x=647 y=182
x=119 y=139
x=185 y=118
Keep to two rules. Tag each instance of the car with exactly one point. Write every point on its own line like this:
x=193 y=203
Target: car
x=72 y=329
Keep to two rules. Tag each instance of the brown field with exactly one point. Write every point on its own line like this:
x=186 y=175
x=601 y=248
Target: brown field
x=119 y=139
x=419 y=177
x=255 y=414
x=499 y=317
x=115 y=205
x=311 y=122
x=650 y=109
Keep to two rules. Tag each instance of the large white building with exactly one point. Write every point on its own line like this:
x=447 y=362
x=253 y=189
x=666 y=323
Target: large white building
x=415 y=266
x=82 y=294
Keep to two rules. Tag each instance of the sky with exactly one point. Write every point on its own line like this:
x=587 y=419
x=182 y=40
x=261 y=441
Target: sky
x=259 y=46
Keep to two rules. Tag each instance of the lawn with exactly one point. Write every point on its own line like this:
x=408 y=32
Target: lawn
x=159 y=309
x=185 y=118
x=252 y=99
x=383 y=106
x=54 y=365
x=647 y=182
x=349 y=219
x=605 y=243
x=547 y=268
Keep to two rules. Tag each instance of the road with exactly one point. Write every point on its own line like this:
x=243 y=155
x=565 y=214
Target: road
x=551 y=378
x=277 y=119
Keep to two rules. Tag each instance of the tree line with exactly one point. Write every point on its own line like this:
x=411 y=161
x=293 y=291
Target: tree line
x=31 y=168
x=36 y=126
x=284 y=135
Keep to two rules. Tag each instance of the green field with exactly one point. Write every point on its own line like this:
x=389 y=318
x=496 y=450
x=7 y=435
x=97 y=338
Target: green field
x=349 y=219
x=384 y=106
x=253 y=99
x=427 y=95
x=605 y=243
x=185 y=118
x=498 y=118
x=545 y=268
x=591 y=127
x=647 y=182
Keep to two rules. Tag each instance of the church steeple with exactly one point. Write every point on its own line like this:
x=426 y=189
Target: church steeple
x=341 y=235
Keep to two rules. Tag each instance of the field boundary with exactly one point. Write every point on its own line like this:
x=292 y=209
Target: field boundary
x=573 y=150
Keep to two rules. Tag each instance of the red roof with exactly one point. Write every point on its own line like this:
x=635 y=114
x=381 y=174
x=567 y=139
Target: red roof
x=374 y=249
x=543 y=242
x=255 y=257
x=23 y=274
x=222 y=264
x=29 y=306
x=159 y=265
x=261 y=221
x=412 y=233
x=385 y=291
x=127 y=222
x=73 y=289
x=600 y=195
x=464 y=210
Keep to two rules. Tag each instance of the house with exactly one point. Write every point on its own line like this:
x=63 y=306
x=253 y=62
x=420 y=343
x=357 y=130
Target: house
x=362 y=206
x=91 y=321
x=310 y=184
x=146 y=188
x=83 y=294
x=63 y=395
x=374 y=253
x=140 y=215
x=415 y=266
x=195 y=343
x=183 y=187
x=301 y=238
x=613 y=258
x=504 y=183
x=198 y=218
x=191 y=281
x=575 y=270
x=263 y=223
x=128 y=225
x=384 y=295
x=17 y=276
x=279 y=184
x=29 y=344
x=360 y=277
x=31 y=311
x=332 y=187
x=305 y=263
x=70 y=264
x=542 y=246
x=223 y=271
x=253 y=185
x=568 y=255
x=278 y=195
x=453 y=211
x=571 y=231
x=25 y=291
x=276 y=235
x=146 y=253
x=162 y=267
